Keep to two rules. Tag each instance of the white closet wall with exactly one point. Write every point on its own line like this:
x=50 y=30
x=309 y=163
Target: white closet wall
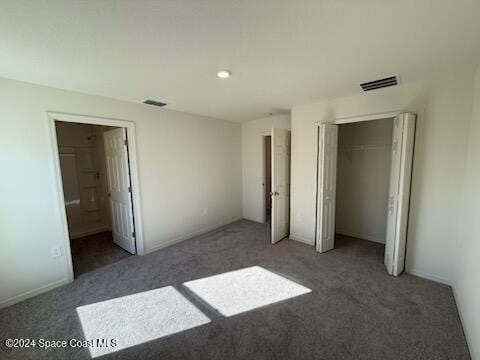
x=364 y=155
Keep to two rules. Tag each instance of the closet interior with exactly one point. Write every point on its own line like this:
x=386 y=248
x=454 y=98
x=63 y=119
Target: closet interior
x=363 y=177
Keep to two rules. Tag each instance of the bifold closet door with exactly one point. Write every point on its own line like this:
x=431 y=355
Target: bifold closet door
x=119 y=188
x=327 y=177
x=280 y=189
x=399 y=193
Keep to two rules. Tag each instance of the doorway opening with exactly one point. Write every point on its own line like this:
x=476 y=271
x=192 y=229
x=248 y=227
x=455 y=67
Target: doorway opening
x=362 y=184
x=364 y=176
x=98 y=187
x=267 y=145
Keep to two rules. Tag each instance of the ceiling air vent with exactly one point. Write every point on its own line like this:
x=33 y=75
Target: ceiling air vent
x=381 y=83
x=153 y=102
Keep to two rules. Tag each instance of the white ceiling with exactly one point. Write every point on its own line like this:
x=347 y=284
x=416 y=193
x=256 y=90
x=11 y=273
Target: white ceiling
x=281 y=53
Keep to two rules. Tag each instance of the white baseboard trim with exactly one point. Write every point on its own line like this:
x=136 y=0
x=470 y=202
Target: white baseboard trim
x=189 y=236
x=301 y=239
x=428 y=276
x=32 y=293
x=361 y=236
x=254 y=220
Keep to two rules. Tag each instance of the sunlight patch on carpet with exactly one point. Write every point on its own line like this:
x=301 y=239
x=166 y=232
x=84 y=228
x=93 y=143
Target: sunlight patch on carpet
x=245 y=289
x=138 y=318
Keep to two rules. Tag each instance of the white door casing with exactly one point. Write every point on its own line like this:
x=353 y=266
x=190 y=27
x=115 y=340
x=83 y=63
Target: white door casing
x=280 y=188
x=327 y=176
x=119 y=188
x=399 y=192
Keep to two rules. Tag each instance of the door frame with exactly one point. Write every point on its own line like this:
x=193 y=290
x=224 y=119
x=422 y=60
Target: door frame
x=132 y=154
x=348 y=120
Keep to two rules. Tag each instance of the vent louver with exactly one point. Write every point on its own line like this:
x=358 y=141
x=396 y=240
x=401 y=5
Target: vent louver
x=155 y=103
x=381 y=83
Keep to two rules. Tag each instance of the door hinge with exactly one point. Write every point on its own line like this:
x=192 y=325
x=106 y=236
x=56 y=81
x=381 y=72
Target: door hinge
x=129 y=189
x=133 y=233
x=126 y=142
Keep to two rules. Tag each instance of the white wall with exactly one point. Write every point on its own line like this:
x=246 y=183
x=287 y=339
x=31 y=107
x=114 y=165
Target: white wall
x=252 y=162
x=363 y=178
x=186 y=164
x=467 y=278
x=444 y=107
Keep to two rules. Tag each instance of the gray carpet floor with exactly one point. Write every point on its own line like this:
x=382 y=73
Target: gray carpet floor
x=95 y=251
x=353 y=311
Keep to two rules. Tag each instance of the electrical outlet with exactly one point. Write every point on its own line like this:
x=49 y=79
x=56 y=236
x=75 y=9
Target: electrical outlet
x=55 y=251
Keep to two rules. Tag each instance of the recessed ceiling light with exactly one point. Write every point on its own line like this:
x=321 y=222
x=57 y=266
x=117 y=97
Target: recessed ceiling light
x=224 y=74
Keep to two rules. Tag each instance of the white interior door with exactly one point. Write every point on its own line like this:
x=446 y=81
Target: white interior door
x=399 y=193
x=280 y=184
x=327 y=178
x=119 y=188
